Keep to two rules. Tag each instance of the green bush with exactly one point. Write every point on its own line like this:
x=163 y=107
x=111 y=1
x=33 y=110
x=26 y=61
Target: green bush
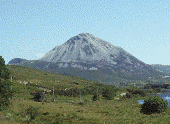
x=157 y=90
x=32 y=112
x=95 y=97
x=135 y=91
x=154 y=104
x=128 y=95
x=75 y=92
x=38 y=96
x=108 y=93
x=5 y=85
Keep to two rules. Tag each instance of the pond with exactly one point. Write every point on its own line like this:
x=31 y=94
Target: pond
x=165 y=96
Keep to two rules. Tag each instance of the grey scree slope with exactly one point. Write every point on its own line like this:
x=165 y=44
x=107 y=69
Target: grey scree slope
x=85 y=47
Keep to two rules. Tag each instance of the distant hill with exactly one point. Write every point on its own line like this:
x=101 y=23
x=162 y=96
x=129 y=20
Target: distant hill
x=162 y=68
x=89 y=57
x=16 y=61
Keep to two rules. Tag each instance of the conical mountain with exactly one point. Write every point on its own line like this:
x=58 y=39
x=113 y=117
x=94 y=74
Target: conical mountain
x=92 y=58
x=86 y=47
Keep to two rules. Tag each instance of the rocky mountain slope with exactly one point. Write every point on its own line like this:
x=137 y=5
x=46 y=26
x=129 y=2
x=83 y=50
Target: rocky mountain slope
x=162 y=68
x=89 y=57
x=83 y=48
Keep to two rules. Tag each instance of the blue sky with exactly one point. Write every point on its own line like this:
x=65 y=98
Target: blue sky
x=31 y=28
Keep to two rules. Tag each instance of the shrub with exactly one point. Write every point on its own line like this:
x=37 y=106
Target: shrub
x=5 y=84
x=108 y=93
x=157 y=90
x=38 y=96
x=95 y=97
x=128 y=95
x=32 y=112
x=68 y=92
x=147 y=86
x=136 y=91
x=140 y=92
x=154 y=104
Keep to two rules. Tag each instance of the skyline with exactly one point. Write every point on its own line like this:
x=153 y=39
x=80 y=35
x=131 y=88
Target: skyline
x=29 y=29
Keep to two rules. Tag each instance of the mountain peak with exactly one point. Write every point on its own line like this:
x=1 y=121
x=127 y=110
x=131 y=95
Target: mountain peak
x=82 y=37
x=84 y=47
x=85 y=34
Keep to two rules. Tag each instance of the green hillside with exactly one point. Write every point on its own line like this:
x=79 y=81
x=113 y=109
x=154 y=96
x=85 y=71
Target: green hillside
x=37 y=78
x=73 y=101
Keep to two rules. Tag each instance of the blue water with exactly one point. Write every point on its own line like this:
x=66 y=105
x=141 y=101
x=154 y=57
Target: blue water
x=164 y=96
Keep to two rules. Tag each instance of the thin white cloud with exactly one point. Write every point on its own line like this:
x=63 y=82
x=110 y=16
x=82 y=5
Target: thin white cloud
x=39 y=55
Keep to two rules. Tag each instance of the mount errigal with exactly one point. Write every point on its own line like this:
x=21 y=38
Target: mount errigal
x=89 y=57
x=83 y=48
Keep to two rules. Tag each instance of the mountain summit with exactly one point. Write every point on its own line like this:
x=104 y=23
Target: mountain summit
x=85 y=47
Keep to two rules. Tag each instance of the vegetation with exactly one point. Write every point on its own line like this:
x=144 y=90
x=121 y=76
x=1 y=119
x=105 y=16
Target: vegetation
x=95 y=97
x=108 y=93
x=154 y=104
x=73 y=101
x=5 y=91
x=136 y=91
x=38 y=96
x=32 y=112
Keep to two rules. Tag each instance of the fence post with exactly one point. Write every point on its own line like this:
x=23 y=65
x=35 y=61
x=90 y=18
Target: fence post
x=11 y=86
x=80 y=97
x=53 y=93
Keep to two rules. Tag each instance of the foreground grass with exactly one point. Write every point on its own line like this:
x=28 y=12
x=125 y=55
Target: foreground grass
x=70 y=109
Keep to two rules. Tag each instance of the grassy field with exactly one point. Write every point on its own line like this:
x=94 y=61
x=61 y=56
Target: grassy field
x=69 y=109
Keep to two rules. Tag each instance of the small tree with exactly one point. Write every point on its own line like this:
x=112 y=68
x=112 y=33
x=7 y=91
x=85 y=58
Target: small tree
x=108 y=93
x=5 y=84
x=154 y=104
x=95 y=97
x=38 y=96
